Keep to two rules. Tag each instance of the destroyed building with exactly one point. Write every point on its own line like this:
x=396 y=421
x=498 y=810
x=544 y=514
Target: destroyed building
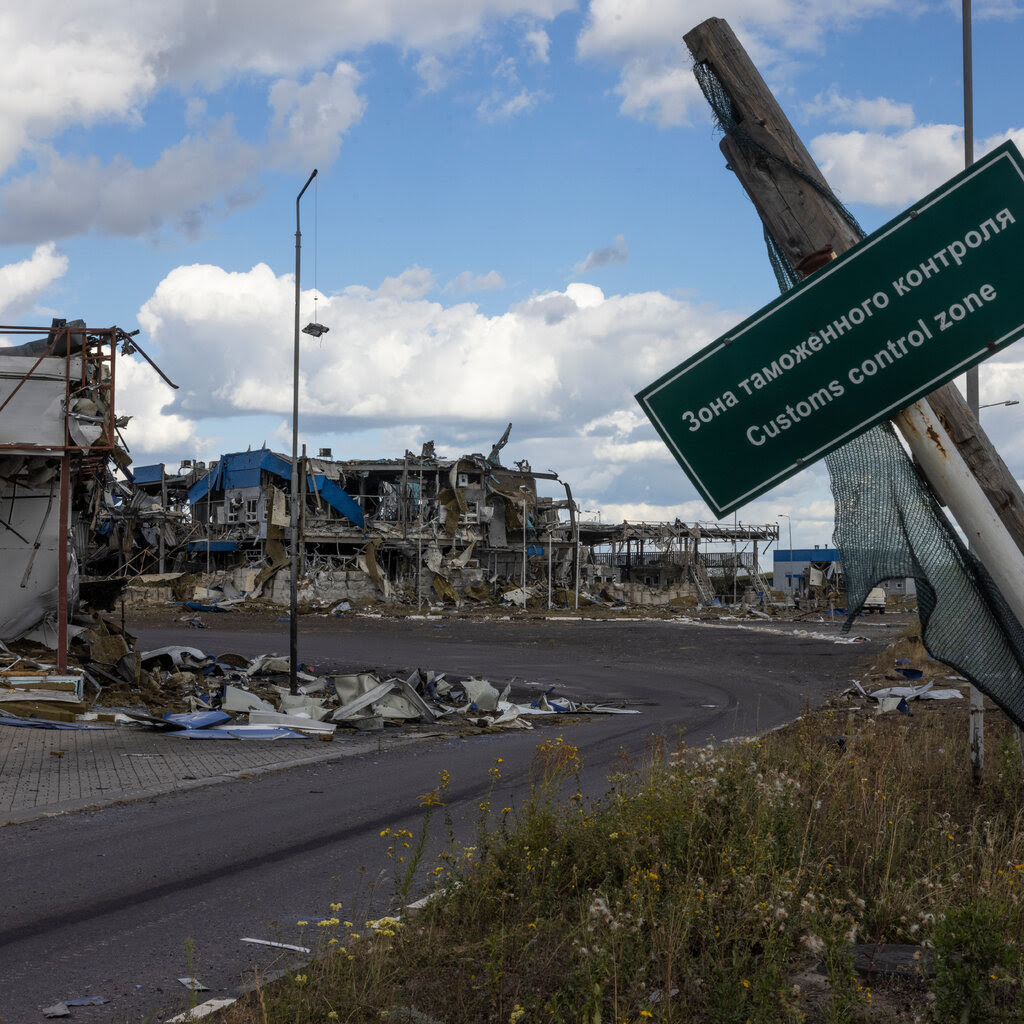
x=807 y=572
x=414 y=528
x=58 y=441
x=426 y=528
x=655 y=563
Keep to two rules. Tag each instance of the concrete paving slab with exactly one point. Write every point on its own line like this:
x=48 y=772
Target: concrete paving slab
x=45 y=772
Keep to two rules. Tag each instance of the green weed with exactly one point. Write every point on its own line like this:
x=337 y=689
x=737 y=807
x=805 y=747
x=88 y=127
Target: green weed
x=722 y=884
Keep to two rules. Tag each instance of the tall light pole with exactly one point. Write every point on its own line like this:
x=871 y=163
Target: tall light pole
x=789 y=519
x=968 y=69
x=976 y=725
x=523 y=489
x=992 y=405
x=293 y=619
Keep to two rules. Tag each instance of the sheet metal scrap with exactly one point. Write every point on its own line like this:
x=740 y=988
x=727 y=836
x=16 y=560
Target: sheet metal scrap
x=896 y=698
x=184 y=692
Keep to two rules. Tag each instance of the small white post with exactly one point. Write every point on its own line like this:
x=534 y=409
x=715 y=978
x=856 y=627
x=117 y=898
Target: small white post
x=977 y=734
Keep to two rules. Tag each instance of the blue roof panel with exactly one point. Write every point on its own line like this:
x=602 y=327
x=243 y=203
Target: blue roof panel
x=147 y=474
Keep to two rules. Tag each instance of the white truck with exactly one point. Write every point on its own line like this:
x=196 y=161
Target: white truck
x=875 y=601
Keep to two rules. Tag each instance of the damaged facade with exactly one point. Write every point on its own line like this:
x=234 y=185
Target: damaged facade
x=58 y=440
x=656 y=563
x=427 y=529
x=415 y=528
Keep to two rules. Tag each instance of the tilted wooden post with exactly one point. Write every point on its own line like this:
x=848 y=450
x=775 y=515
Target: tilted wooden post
x=802 y=220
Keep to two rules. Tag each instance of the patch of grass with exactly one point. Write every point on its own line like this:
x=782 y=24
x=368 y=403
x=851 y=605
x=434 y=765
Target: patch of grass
x=719 y=884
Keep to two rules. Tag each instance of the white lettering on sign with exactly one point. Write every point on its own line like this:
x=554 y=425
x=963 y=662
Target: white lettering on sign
x=953 y=254
x=759 y=434
x=815 y=343
x=895 y=348
x=946 y=318
x=707 y=413
x=955 y=251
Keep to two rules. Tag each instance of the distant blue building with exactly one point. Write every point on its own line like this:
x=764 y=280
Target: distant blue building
x=796 y=570
x=245 y=493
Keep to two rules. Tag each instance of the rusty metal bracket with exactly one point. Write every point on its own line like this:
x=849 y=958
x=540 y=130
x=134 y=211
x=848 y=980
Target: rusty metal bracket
x=130 y=346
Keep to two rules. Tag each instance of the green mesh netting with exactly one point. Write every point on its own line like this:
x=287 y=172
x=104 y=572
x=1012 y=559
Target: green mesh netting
x=888 y=523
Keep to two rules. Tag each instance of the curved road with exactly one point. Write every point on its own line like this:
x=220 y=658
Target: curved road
x=109 y=902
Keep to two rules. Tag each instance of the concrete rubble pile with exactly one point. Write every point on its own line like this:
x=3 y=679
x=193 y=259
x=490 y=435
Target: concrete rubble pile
x=185 y=692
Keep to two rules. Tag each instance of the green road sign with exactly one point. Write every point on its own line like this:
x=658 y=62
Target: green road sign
x=932 y=293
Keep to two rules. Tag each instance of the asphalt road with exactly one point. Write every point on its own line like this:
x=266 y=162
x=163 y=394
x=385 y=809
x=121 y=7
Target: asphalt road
x=123 y=901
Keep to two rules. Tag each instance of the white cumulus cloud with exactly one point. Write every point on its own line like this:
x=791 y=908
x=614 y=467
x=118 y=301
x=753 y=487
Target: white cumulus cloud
x=889 y=170
x=95 y=61
x=874 y=115
x=644 y=40
x=467 y=283
x=23 y=282
x=392 y=355
x=539 y=43
x=310 y=120
x=142 y=395
x=606 y=256
x=69 y=196
x=896 y=169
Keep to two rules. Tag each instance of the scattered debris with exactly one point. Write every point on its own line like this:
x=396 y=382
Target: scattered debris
x=278 y=945
x=200 y=1011
x=898 y=697
x=186 y=693
x=62 y=1009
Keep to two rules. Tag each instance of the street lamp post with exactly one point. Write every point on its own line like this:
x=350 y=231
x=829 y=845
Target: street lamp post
x=992 y=405
x=549 y=568
x=293 y=619
x=523 y=489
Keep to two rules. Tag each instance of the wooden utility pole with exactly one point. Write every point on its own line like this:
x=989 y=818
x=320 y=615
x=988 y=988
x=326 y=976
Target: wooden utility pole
x=802 y=215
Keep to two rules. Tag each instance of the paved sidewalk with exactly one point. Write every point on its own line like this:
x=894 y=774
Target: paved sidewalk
x=47 y=771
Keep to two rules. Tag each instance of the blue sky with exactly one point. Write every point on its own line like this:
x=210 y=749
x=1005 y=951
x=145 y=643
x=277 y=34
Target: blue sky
x=521 y=213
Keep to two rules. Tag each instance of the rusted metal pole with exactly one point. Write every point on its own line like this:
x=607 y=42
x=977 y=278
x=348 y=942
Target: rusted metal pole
x=63 y=517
